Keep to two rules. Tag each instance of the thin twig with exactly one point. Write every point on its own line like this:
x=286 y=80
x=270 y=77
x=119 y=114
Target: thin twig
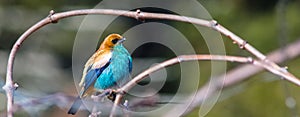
x=245 y=45
x=54 y=17
x=116 y=103
x=176 y=60
x=179 y=59
x=241 y=73
x=184 y=58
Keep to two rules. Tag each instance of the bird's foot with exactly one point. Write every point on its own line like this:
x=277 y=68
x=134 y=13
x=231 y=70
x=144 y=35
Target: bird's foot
x=110 y=93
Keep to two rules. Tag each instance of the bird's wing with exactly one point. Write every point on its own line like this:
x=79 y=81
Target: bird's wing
x=130 y=63
x=93 y=69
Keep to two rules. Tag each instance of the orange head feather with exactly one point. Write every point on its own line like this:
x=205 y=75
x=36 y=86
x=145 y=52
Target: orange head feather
x=111 y=40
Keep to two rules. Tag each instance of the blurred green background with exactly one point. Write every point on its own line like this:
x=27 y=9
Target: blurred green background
x=44 y=63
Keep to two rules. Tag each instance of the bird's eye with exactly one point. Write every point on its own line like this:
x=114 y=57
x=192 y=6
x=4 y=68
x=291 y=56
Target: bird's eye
x=114 y=41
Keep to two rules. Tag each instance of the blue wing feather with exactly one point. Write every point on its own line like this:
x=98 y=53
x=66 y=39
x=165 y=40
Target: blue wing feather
x=92 y=75
x=130 y=64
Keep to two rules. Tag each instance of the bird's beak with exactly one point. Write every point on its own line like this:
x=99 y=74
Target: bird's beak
x=122 y=40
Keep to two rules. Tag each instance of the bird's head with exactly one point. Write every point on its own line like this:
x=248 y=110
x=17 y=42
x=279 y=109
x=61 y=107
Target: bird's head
x=112 y=40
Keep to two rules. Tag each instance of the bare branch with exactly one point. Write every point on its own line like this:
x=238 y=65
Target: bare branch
x=53 y=17
x=116 y=103
x=244 y=45
x=184 y=58
x=176 y=60
x=242 y=73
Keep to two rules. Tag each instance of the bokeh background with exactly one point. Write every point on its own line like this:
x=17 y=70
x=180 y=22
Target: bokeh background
x=44 y=63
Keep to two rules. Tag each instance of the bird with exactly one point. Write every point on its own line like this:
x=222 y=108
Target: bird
x=109 y=67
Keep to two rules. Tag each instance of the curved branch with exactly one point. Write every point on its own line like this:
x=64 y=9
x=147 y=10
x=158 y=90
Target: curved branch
x=9 y=87
x=242 y=73
x=184 y=58
x=176 y=60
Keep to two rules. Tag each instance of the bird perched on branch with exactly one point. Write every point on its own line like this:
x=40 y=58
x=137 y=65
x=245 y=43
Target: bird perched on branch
x=109 y=67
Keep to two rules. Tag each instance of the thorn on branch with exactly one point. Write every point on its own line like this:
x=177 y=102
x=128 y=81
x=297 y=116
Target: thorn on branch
x=126 y=104
x=284 y=69
x=51 y=13
x=250 y=59
x=242 y=46
x=179 y=59
x=11 y=87
x=139 y=15
x=18 y=46
x=213 y=24
x=16 y=85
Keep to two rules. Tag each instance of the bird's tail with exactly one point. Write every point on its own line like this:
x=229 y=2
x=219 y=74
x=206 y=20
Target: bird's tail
x=75 y=107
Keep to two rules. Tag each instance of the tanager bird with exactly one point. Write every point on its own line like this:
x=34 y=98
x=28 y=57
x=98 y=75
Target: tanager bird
x=109 y=67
